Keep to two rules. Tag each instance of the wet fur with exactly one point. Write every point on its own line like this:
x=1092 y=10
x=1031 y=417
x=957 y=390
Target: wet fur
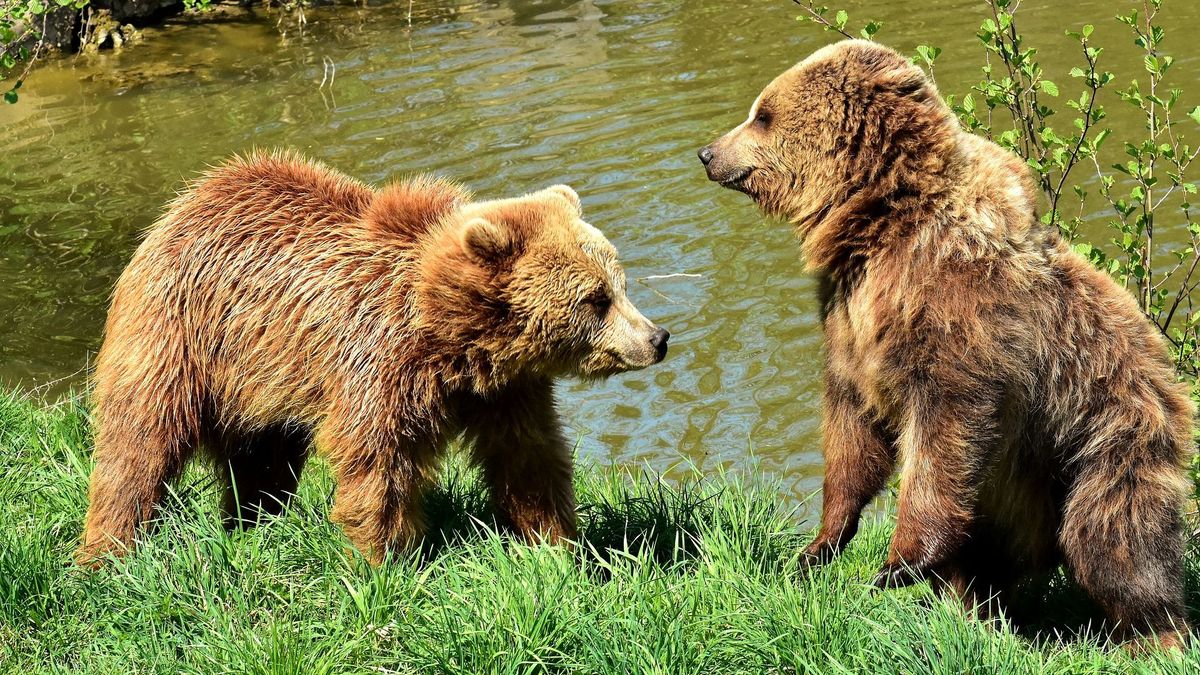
x=1032 y=409
x=280 y=305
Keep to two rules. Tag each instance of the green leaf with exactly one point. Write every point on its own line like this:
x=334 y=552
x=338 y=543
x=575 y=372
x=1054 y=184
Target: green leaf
x=841 y=18
x=1195 y=114
x=1087 y=30
x=10 y=96
x=1049 y=87
x=928 y=54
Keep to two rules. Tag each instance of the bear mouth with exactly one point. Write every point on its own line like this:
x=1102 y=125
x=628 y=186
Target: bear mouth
x=624 y=365
x=737 y=181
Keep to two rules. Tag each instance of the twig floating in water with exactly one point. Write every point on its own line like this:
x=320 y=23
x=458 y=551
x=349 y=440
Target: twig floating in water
x=329 y=74
x=654 y=277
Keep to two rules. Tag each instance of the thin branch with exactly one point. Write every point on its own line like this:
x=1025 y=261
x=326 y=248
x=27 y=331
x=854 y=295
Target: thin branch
x=1183 y=288
x=1093 y=85
x=818 y=18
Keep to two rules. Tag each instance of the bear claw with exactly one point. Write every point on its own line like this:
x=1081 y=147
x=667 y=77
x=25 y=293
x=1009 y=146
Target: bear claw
x=895 y=576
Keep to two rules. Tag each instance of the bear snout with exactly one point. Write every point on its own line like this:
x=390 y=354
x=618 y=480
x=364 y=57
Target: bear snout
x=659 y=341
x=723 y=168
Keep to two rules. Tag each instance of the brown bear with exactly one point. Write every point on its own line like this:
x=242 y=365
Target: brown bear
x=1032 y=408
x=279 y=304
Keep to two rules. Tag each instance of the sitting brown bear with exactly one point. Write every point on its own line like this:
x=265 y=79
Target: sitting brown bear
x=1033 y=410
x=279 y=304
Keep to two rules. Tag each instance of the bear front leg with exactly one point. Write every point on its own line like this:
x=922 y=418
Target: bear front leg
x=379 y=508
x=526 y=461
x=946 y=440
x=382 y=474
x=859 y=458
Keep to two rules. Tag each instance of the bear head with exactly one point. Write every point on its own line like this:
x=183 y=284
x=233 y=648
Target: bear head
x=844 y=120
x=524 y=286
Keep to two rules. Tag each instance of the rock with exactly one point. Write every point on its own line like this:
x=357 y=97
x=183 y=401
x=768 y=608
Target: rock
x=138 y=11
x=102 y=30
x=61 y=28
x=63 y=24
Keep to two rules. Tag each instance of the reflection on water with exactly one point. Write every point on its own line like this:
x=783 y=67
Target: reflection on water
x=612 y=98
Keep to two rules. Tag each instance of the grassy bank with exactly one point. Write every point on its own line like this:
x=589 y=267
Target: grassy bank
x=693 y=579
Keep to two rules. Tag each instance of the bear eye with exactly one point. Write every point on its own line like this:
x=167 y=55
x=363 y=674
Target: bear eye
x=763 y=117
x=599 y=301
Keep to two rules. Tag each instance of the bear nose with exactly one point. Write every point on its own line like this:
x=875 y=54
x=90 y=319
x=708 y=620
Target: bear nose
x=659 y=341
x=705 y=155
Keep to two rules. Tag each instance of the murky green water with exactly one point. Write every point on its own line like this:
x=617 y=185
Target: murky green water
x=611 y=97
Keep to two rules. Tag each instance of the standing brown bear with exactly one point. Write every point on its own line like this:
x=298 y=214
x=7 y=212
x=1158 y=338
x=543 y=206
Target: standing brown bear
x=279 y=304
x=1033 y=410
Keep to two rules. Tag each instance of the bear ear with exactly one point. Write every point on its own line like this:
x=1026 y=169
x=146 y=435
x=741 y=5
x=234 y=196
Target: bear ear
x=568 y=194
x=906 y=83
x=486 y=242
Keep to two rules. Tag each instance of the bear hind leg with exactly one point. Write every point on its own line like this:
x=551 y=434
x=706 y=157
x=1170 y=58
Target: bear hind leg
x=980 y=576
x=1123 y=542
x=137 y=454
x=261 y=471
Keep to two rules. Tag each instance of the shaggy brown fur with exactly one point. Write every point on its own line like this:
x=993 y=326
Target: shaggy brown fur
x=279 y=303
x=1033 y=410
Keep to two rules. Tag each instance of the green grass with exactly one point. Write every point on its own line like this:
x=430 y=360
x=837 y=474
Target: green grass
x=693 y=578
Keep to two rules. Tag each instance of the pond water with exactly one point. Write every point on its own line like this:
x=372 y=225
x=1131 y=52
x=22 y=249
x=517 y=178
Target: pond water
x=611 y=97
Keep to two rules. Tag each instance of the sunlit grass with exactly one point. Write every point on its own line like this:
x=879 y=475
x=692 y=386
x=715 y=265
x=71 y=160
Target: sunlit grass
x=693 y=578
